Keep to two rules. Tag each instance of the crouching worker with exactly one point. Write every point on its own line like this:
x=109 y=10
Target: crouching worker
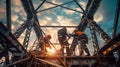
x=44 y=43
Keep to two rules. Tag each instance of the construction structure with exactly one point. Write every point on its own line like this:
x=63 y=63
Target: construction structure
x=16 y=54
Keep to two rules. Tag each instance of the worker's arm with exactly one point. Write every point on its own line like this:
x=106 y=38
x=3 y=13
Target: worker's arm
x=73 y=35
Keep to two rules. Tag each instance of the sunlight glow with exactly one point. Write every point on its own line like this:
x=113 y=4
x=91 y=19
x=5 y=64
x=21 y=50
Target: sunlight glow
x=51 y=51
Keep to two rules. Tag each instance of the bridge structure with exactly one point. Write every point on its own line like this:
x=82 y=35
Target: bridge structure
x=16 y=54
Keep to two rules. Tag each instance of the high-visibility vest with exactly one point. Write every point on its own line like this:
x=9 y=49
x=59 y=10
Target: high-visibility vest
x=79 y=33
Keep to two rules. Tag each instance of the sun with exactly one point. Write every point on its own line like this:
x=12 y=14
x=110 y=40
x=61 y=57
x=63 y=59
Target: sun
x=51 y=51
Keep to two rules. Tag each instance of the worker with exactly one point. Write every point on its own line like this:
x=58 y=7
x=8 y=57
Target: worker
x=62 y=37
x=45 y=42
x=82 y=38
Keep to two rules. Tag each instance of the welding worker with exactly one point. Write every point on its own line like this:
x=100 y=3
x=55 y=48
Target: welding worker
x=45 y=42
x=83 y=40
x=62 y=37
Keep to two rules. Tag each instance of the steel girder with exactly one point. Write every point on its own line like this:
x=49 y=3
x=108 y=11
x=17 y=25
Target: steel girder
x=112 y=46
x=10 y=42
x=79 y=61
x=31 y=14
x=20 y=30
x=27 y=35
x=61 y=5
x=87 y=19
x=94 y=39
x=117 y=15
x=100 y=31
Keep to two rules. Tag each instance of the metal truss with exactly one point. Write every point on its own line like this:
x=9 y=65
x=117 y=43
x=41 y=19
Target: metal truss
x=9 y=41
x=94 y=39
x=27 y=35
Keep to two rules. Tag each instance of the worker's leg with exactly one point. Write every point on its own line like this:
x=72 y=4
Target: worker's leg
x=62 y=50
x=80 y=50
x=73 y=46
x=41 y=46
x=66 y=45
x=86 y=49
x=67 y=50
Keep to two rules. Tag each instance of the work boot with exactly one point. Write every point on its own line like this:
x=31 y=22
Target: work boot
x=87 y=51
x=81 y=52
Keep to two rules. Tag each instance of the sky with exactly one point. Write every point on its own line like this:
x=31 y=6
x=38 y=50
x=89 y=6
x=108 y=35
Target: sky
x=61 y=17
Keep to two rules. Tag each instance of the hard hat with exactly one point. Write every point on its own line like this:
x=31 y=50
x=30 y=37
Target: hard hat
x=49 y=36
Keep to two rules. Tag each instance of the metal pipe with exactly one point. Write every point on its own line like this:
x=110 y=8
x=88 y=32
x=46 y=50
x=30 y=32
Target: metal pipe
x=50 y=63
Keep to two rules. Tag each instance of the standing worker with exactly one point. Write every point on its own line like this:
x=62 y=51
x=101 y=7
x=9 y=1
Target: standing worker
x=44 y=42
x=82 y=38
x=62 y=37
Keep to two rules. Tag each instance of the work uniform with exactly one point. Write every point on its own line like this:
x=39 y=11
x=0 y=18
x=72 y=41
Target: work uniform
x=44 y=42
x=82 y=38
x=62 y=37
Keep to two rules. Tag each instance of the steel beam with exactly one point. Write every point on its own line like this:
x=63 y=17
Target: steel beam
x=82 y=61
x=48 y=62
x=88 y=6
x=93 y=9
x=40 y=5
x=20 y=30
x=116 y=18
x=13 y=45
x=27 y=35
x=17 y=62
x=31 y=14
x=100 y=31
x=94 y=39
x=8 y=13
x=79 y=5
x=111 y=46
x=61 y=5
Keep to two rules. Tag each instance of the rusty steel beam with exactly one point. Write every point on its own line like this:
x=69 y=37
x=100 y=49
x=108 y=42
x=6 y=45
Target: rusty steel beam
x=112 y=45
x=89 y=61
x=13 y=45
x=48 y=62
x=17 y=62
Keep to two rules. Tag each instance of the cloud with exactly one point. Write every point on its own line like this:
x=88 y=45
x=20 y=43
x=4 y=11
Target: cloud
x=54 y=24
x=70 y=12
x=65 y=21
x=47 y=5
x=43 y=22
x=48 y=18
x=14 y=18
x=2 y=10
x=56 y=1
x=17 y=2
x=2 y=13
x=83 y=4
